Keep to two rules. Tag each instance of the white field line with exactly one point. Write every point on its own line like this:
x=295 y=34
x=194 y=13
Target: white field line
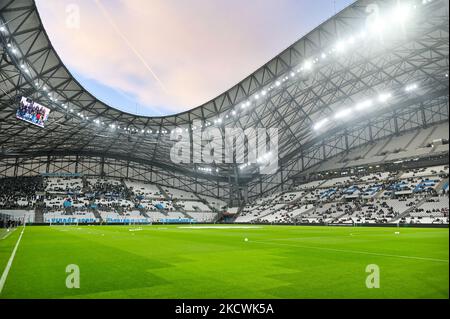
x=8 y=233
x=10 y=261
x=353 y=251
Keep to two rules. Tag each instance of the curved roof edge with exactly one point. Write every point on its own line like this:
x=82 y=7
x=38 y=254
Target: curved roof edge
x=261 y=77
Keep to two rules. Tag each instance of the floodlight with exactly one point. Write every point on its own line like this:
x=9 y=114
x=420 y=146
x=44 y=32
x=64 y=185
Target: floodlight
x=307 y=65
x=411 y=87
x=340 y=46
x=377 y=26
x=320 y=124
x=401 y=13
x=364 y=105
x=384 y=97
x=343 y=113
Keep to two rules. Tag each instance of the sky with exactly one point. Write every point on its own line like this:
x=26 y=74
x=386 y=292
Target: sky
x=162 y=57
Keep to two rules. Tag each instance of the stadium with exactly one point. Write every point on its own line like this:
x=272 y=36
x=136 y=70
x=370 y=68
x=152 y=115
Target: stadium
x=324 y=174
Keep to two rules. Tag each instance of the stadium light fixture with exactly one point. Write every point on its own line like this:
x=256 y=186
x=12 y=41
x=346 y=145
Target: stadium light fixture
x=364 y=105
x=377 y=26
x=320 y=124
x=343 y=113
x=2 y=29
x=307 y=65
x=278 y=83
x=340 y=46
x=411 y=87
x=401 y=13
x=384 y=97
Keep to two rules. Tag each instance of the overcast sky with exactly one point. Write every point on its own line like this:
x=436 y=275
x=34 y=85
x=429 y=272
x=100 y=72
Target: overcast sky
x=160 y=57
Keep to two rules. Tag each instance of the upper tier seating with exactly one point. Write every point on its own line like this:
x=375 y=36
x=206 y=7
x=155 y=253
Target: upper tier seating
x=381 y=197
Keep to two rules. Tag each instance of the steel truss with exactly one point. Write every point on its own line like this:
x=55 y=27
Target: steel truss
x=418 y=54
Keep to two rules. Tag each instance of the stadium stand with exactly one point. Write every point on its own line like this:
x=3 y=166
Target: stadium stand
x=338 y=162
x=409 y=196
x=382 y=197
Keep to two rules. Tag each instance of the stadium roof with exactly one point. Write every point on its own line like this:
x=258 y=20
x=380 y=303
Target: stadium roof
x=351 y=69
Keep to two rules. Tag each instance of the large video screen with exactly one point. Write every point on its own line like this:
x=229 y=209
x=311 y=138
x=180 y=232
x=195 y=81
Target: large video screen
x=32 y=112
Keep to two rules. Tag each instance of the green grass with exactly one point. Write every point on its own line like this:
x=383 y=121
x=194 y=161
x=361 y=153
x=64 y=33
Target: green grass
x=276 y=262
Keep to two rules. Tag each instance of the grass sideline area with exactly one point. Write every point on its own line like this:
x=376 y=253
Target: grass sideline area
x=182 y=261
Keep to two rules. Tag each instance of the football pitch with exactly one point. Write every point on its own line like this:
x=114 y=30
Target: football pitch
x=217 y=261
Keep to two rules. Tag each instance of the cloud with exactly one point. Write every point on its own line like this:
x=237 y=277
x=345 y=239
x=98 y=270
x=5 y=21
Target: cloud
x=197 y=48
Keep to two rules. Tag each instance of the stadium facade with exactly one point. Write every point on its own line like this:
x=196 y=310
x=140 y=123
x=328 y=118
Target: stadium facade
x=304 y=92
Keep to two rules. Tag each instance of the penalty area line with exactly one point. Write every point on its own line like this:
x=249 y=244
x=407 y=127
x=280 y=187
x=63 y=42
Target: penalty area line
x=10 y=261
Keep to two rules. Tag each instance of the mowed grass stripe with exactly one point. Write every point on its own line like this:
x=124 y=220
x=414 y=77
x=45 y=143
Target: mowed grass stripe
x=172 y=262
x=353 y=251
